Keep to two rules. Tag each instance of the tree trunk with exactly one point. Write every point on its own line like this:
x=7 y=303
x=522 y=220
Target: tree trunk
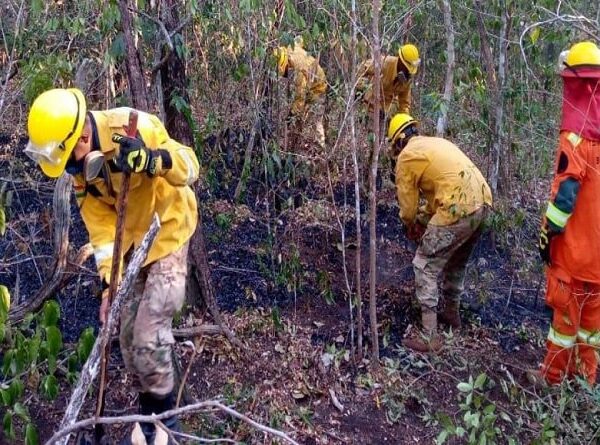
x=443 y=118
x=358 y=259
x=174 y=80
x=372 y=184
x=133 y=63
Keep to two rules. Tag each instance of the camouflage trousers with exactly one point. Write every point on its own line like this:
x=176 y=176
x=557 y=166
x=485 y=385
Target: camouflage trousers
x=146 y=337
x=445 y=250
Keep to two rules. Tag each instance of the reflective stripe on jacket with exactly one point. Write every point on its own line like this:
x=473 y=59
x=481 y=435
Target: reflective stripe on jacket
x=395 y=90
x=168 y=194
x=576 y=250
x=451 y=184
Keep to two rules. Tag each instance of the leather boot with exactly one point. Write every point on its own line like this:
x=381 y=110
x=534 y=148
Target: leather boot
x=450 y=316
x=427 y=340
x=152 y=404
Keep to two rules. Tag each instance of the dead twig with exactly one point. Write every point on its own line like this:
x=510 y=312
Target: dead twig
x=66 y=430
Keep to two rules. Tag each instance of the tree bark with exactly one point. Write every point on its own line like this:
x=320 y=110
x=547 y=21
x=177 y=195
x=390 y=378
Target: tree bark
x=174 y=79
x=133 y=63
x=357 y=213
x=376 y=51
x=448 y=87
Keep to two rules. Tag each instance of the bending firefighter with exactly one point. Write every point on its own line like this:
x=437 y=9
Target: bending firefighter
x=447 y=227
x=310 y=85
x=93 y=147
x=570 y=235
x=396 y=76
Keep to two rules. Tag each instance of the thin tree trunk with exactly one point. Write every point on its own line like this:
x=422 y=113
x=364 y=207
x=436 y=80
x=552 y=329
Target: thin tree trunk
x=133 y=63
x=174 y=80
x=497 y=151
x=354 y=144
x=492 y=84
x=372 y=184
x=448 y=87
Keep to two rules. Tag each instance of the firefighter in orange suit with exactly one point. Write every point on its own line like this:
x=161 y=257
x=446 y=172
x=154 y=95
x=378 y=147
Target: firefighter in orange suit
x=570 y=234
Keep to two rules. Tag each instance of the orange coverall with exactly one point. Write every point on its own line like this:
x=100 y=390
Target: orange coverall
x=573 y=278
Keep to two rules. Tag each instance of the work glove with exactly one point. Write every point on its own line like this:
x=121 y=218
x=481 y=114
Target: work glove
x=546 y=235
x=135 y=157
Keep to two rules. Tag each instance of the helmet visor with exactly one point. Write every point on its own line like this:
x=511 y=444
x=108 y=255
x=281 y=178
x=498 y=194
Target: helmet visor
x=51 y=152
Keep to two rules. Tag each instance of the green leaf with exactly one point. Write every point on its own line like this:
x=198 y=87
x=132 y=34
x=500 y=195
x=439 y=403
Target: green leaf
x=480 y=381
x=7 y=425
x=50 y=387
x=85 y=344
x=534 y=34
x=441 y=437
x=4 y=302
x=51 y=313
x=2 y=221
x=16 y=389
x=54 y=340
x=31 y=435
x=6 y=397
x=464 y=387
x=21 y=411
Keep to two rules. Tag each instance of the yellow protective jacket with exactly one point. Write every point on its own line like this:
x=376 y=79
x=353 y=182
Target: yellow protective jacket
x=168 y=193
x=451 y=184
x=310 y=82
x=395 y=90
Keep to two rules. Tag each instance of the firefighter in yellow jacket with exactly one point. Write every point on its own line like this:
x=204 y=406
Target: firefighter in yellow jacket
x=448 y=225
x=396 y=76
x=310 y=84
x=65 y=136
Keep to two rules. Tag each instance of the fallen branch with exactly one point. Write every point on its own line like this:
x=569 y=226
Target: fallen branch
x=90 y=369
x=197 y=331
x=66 y=430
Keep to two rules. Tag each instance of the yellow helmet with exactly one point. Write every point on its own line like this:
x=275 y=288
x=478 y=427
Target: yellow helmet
x=54 y=126
x=409 y=55
x=398 y=124
x=583 y=53
x=282 y=59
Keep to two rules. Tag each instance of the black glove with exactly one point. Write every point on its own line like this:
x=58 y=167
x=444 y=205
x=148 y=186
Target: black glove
x=546 y=235
x=134 y=157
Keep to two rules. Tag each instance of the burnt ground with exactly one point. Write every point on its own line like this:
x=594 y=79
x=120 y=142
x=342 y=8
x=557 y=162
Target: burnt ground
x=277 y=267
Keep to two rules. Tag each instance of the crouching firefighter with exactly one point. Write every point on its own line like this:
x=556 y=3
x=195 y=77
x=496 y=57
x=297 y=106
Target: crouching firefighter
x=570 y=235
x=94 y=148
x=447 y=227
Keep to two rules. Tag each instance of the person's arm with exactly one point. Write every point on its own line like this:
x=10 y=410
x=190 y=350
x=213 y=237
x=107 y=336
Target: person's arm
x=409 y=168
x=300 y=90
x=403 y=98
x=570 y=168
x=100 y=220
x=175 y=162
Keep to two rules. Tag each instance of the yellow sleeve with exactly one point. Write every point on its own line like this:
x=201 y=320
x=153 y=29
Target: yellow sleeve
x=180 y=166
x=300 y=89
x=409 y=168
x=100 y=220
x=184 y=164
x=403 y=98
